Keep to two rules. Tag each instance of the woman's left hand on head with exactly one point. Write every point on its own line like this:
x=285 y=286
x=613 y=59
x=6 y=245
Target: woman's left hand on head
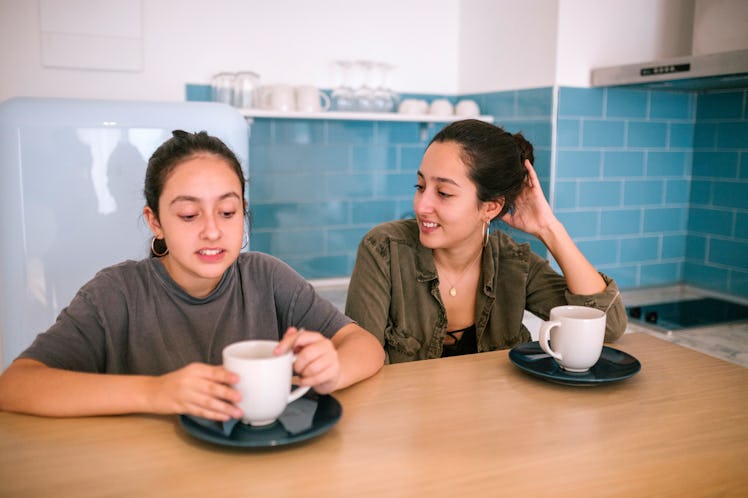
x=531 y=212
x=317 y=363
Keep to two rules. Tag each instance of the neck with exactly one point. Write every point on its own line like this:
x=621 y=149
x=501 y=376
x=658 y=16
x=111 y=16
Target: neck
x=457 y=260
x=454 y=276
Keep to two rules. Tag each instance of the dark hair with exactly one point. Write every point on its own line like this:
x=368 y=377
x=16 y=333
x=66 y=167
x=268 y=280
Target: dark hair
x=181 y=147
x=494 y=157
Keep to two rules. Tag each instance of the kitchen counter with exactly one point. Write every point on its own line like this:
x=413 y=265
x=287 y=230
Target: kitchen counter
x=726 y=342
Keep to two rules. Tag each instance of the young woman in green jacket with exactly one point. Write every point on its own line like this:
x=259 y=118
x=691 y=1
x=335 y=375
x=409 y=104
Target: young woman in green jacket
x=442 y=284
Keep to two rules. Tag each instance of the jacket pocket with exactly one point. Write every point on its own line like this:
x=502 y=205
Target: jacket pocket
x=400 y=345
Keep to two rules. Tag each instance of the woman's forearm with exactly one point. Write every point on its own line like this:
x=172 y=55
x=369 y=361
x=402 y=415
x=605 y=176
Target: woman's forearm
x=581 y=277
x=359 y=352
x=28 y=386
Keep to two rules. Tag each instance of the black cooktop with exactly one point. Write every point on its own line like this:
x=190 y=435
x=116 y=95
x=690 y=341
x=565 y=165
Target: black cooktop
x=689 y=313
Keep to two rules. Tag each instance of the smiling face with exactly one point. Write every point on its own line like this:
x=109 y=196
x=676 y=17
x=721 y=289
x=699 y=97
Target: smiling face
x=448 y=212
x=201 y=218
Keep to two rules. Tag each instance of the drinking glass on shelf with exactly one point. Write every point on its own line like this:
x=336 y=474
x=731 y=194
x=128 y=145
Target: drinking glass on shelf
x=383 y=98
x=363 y=93
x=222 y=88
x=342 y=96
x=245 y=89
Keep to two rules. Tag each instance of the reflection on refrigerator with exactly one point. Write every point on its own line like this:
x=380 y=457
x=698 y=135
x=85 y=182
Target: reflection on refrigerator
x=71 y=195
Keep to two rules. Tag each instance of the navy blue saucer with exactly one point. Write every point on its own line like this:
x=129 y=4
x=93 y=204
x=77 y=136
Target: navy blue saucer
x=326 y=415
x=613 y=366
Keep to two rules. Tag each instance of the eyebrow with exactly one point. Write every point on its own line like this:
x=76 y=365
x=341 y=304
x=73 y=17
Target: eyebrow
x=440 y=179
x=190 y=198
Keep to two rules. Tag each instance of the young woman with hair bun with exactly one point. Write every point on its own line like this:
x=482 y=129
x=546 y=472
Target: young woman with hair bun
x=442 y=284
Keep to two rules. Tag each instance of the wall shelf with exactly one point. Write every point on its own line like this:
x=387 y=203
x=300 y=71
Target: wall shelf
x=355 y=116
x=424 y=119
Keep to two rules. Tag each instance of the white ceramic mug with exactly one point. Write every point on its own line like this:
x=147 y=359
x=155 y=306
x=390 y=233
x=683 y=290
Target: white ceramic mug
x=441 y=107
x=309 y=98
x=413 y=106
x=264 y=380
x=467 y=108
x=574 y=336
x=278 y=97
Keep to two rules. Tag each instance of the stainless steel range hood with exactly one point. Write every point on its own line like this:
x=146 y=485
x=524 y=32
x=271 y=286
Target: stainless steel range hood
x=719 y=52
x=695 y=72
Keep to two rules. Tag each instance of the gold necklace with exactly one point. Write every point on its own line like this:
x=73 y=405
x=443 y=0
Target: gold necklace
x=453 y=287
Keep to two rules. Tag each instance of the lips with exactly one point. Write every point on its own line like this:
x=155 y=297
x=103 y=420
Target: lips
x=428 y=226
x=210 y=255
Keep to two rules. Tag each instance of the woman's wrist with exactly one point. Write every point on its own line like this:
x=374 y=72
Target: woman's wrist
x=552 y=234
x=146 y=394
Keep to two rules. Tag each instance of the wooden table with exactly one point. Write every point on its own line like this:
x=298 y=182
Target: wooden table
x=467 y=426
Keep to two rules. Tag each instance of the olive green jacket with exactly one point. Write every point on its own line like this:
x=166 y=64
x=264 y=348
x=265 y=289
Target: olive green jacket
x=394 y=293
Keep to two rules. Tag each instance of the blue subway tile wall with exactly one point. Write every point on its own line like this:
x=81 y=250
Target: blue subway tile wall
x=717 y=243
x=668 y=174
x=624 y=156
x=653 y=185
x=317 y=186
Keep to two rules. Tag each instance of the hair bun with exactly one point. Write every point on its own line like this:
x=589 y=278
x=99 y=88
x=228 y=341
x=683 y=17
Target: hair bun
x=525 y=148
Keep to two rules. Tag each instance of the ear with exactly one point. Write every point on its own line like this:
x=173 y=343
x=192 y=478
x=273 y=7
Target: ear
x=491 y=209
x=153 y=223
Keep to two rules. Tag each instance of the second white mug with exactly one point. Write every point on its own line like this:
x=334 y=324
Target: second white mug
x=277 y=97
x=574 y=336
x=467 y=108
x=413 y=106
x=441 y=107
x=309 y=98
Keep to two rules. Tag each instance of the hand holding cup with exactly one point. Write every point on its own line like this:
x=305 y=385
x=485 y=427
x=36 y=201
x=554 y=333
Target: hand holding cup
x=317 y=363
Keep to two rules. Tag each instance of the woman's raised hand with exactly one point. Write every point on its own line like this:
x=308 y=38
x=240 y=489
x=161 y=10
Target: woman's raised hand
x=532 y=213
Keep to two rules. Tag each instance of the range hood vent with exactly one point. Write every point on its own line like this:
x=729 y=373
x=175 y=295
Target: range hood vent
x=718 y=60
x=696 y=72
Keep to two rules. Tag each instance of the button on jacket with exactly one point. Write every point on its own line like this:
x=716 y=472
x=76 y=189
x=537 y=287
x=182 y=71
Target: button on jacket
x=394 y=294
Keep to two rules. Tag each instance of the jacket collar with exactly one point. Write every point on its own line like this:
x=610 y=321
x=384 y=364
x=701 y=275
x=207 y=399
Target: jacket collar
x=426 y=269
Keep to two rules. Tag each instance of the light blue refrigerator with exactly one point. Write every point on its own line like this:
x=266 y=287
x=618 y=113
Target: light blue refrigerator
x=71 y=197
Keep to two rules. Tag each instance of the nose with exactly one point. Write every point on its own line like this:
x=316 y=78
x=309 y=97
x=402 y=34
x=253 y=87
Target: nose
x=422 y=203
x=210 y=229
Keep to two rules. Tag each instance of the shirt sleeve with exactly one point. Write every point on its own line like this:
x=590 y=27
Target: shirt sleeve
x=76 y=341
x=369 y=297
x=547 y=289
x=608 y=300
x=299 y=305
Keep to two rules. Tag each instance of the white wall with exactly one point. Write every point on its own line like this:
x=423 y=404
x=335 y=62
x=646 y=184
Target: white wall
x=506 y=44
x=438 y=46
x=291 y=41
x=720 y=26
x=599 y=33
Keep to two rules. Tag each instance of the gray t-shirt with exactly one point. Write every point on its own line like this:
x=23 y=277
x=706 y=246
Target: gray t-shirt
x=132 y=318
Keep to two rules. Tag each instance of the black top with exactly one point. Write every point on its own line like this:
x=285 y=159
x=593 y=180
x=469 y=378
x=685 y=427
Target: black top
x=466 y=344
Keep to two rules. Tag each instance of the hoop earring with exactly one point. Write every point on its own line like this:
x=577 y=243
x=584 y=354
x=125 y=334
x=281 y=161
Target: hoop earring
x=487 y=227
x=245 y=240
x=153 y=248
